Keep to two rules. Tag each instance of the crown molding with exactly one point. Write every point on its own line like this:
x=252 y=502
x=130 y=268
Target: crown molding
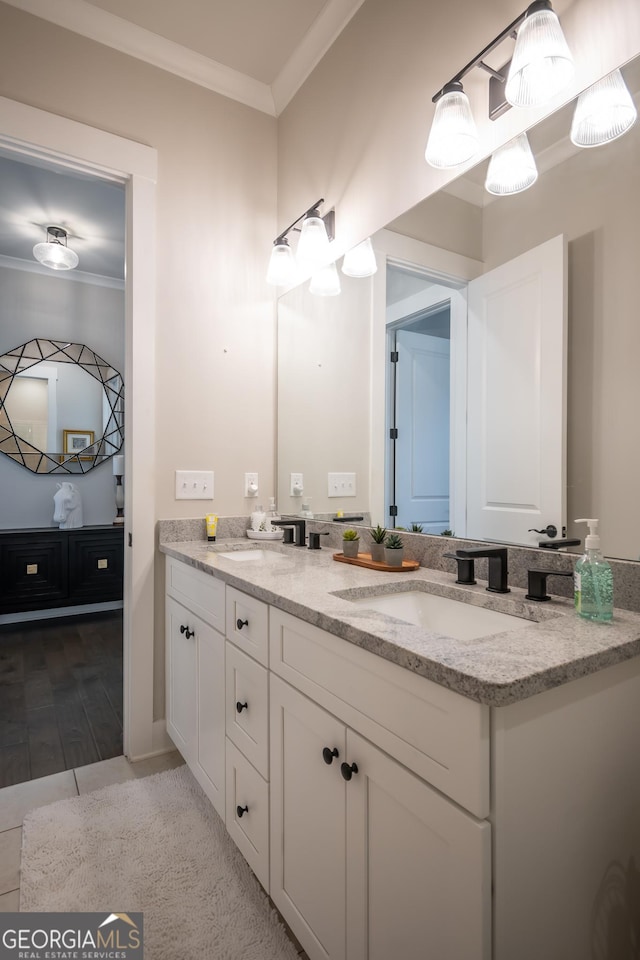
x=128 y=38
x=77 y=276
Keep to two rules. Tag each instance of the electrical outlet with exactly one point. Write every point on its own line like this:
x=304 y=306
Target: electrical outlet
x=194 y=484
x=341 y=485
x=251 y=484
x=297 y=485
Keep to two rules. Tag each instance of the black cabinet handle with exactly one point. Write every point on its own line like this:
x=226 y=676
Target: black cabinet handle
x=188 y=633
x=242 y=810
x=241 y=623
x=348 y=769
x=328 y=755
x=241 y=706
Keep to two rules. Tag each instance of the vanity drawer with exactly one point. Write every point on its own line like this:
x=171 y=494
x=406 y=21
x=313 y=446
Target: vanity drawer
x=248 y=624
x=248 y=828
x=198 y=591
x=440 y=735
x=247 y=707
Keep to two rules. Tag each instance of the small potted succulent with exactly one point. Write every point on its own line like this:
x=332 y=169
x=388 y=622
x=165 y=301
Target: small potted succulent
x=393 y=550
x=378 y=535
x=350 y=543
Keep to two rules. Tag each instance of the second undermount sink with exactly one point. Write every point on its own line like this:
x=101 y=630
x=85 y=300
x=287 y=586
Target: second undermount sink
x=453 y=618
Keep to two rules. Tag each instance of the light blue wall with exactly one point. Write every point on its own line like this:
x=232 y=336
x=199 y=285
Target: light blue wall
x=57 y=307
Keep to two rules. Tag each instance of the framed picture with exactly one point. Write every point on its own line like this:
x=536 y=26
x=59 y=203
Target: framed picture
x=75 y=441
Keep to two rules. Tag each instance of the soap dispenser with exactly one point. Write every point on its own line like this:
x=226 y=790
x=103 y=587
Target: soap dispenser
x=593 y=579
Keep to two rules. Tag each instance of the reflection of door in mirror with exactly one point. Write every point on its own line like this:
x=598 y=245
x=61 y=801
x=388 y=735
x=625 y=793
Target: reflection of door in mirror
x=30 y=411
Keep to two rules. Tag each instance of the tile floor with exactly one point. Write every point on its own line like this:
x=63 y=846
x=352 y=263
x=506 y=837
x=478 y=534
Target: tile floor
x=19 y=799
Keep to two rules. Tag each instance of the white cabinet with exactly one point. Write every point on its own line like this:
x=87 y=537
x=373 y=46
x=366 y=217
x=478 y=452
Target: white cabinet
x=368 y=861
x=247 y=729
x=195 y=675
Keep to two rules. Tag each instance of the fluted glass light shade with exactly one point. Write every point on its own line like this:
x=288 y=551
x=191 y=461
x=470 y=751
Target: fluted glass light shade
x=512 y=168
x=313 y=245
x=603 y=112
x=360 y=261
x=542 y=64
x=453 y=138
x=325 y=282
x=55 y=253
x=282 y=270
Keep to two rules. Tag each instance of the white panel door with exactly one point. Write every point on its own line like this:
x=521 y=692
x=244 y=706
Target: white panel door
x=517 y=361
x=418 y=867
x=422 y=447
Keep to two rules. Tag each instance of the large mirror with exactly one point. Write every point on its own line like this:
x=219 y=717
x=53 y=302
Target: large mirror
x=61 y=407
x=332 y=382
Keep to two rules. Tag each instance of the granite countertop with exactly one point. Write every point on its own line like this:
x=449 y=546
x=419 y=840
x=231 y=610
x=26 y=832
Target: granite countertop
x=553 y=648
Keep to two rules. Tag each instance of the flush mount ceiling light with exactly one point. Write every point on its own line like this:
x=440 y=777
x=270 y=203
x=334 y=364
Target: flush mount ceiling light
x=512 y=168
x=54 y=252
x=603 y=112
x=541 y=66
x=313 y=250
x=360 y=261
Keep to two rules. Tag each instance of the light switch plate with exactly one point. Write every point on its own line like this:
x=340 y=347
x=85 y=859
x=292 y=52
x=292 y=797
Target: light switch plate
x=194 y=484
x=341 y=485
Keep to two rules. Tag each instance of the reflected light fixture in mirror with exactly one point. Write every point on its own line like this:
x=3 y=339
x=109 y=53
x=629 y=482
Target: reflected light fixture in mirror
x=54 y=253
x=313 y=245
x=360 y=261
x=603 y=112
x=314 y=249
x=542 y=64
x=512 y=168
x=325 y=282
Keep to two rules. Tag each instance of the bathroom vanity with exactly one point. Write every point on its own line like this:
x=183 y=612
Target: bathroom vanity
x=398 y=791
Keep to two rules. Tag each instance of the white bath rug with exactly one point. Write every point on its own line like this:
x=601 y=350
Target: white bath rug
x=154 y=845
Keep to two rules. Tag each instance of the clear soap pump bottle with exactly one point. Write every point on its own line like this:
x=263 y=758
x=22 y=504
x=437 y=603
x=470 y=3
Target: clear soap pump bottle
x=593 y=579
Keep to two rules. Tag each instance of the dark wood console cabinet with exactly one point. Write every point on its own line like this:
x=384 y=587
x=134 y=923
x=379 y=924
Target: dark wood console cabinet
x=46 y=568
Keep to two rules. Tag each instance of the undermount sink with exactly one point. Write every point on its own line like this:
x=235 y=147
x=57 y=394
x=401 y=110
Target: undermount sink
x=463 y=621
x=247 y=555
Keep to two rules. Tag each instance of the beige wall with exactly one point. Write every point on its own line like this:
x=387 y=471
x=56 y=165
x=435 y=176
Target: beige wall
x=356 y=131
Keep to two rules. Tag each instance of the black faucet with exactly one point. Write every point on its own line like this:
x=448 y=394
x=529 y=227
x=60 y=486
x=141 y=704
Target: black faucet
x=314 y=539
x=498 y=571
x=296 y=523
x=466 y=573
x=537 y=582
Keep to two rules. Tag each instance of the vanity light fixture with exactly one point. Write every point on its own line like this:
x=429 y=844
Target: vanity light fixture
x=325 y=282
x=313 y=249
x=54 y=252
x=541 y=66
x=603 y=112
x=512 y=168
x=360 y=261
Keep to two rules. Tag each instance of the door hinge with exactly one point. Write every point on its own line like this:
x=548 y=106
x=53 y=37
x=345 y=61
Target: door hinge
x=394 y=356
x=130 y=540
x=393 y=433
x=393 y=510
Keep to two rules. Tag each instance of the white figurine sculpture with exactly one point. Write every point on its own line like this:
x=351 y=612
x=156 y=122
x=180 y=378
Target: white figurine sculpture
x=68 y=506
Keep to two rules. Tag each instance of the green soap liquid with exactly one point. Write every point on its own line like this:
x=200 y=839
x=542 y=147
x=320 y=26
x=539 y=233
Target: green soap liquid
x=594 y=589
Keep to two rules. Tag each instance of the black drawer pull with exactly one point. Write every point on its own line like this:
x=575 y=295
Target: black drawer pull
x=347 y=770
x=241 y=706
x=242 y=810
x=241 y=623
x=188 y=633
x=328 y=755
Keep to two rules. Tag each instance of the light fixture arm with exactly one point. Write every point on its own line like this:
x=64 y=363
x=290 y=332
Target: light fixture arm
x=312 y=209
x=479 y=58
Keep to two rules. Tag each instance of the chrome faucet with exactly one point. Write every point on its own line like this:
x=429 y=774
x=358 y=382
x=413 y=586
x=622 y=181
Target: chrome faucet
x=497 y=557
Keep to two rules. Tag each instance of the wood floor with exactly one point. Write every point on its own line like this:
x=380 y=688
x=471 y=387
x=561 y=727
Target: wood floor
x=60 y=695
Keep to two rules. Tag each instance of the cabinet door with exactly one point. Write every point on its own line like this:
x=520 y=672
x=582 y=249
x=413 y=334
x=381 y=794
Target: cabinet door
x=418 y=867
x=181 y=664
x=210 y=768
x=308 y=822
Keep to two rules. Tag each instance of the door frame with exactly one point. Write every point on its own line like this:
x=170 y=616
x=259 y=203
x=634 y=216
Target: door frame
x=28 y=131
